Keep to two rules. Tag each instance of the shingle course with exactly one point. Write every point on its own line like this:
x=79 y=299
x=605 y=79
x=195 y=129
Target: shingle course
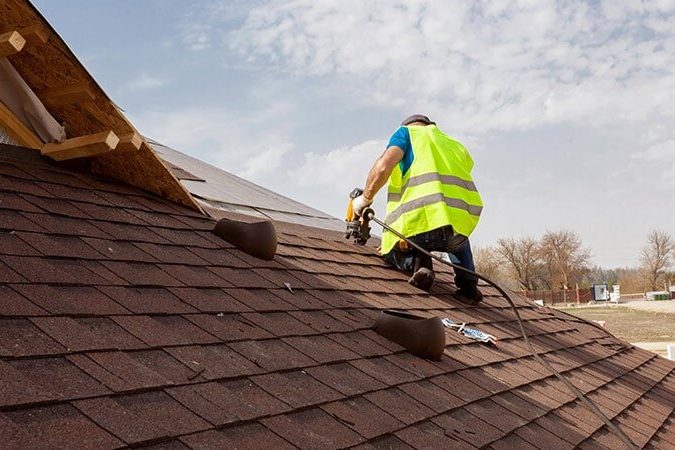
x=20 y=337
x=298 y=428
x=71 y=300
x=159 y=331
x=209 y=300
x=52 y=426
x=86 y=334
x=229 y=401
x=136 y=418
x=213 y=362
x=247 y=436
x=14 y=304
x=296 y=388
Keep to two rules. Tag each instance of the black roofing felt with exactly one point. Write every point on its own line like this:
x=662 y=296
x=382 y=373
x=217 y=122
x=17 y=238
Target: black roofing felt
x=218 y=189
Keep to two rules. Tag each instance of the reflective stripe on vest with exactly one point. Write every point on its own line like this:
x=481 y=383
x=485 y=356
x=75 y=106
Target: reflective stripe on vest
x=429 y=200
x=428 y=177
x=437 y=189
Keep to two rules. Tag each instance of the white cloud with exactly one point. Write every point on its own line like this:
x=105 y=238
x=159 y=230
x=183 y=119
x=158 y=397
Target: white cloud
x=567 y=106
x=481 y=66
x=324 y=180
x=204 y=25
x=266 y=162
x=661 y=152
x=144 y=81
x=197 y=36
x=338 y=167
x=220 y=136
x=660 y=164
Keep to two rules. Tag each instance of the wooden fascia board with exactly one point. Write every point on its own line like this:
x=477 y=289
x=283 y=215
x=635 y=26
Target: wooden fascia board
x=82 y=147
x=17 y=130
x=11 y=43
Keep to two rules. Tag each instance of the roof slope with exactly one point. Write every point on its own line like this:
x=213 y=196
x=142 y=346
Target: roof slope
x=125 y=321
x=219 y=190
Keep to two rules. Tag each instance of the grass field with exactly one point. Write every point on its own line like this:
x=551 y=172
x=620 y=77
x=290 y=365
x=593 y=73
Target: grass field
x=630 y=324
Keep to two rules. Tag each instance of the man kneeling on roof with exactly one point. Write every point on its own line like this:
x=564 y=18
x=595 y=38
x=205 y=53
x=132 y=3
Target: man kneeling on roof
x=431 y=199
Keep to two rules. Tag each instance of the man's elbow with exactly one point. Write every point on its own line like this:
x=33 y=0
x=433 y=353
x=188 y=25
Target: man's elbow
x=382 y=169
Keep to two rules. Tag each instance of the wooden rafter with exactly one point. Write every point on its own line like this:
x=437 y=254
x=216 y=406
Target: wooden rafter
x=17 y=130
x=34 y=35
x=83 y=146
x=11 y=43
x=75 y=94
x=129 y=142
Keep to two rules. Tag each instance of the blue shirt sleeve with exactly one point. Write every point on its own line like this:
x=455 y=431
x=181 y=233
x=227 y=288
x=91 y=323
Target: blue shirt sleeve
x=401 y=139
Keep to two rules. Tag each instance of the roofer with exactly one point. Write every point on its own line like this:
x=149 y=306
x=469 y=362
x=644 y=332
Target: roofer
x=431 y=199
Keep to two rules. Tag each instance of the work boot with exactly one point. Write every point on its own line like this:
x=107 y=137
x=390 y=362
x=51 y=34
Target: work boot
x=469 y=295
x=423 y=278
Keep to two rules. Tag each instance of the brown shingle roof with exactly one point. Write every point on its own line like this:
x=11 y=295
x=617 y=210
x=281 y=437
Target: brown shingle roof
x=123 y=320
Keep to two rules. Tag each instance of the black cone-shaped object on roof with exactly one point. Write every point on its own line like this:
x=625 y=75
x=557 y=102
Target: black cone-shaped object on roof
x=258 y=239
x=421 y=336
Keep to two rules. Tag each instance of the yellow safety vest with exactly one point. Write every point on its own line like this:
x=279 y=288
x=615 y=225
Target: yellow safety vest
x=437 y=190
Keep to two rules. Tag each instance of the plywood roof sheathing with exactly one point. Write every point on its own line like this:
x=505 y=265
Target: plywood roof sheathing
x=80 y=147
x=17 y=130
x=129 y=142
x=75 y=94
x=11 y=43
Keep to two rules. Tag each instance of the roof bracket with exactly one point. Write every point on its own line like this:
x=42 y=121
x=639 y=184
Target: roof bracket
x=11 y=43
x=80 y=147
x=34 y=35
x=129 y=142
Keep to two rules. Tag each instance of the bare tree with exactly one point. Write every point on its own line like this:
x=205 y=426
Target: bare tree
x=488 y=262
x=522 y=260
x=631 y=280
x=565 y=259
x=656 y=258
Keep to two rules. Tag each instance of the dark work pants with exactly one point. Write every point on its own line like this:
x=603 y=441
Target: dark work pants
x=439 y=240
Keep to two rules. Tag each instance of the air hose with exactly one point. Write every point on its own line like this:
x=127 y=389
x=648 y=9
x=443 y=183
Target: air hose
x=369 y=214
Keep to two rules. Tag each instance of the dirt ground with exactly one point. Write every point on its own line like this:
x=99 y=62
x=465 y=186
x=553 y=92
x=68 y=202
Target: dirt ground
x=630 y=324
x=666 y=306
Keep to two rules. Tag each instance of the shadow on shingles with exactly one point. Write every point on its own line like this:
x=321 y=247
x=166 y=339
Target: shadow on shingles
x=577 y=354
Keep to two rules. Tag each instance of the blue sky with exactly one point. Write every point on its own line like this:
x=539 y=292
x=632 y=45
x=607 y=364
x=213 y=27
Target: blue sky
x=567 y=107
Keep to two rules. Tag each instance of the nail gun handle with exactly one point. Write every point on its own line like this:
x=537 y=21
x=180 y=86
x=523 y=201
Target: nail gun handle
x=350 y=212
x=357 y=227
x=350 y=209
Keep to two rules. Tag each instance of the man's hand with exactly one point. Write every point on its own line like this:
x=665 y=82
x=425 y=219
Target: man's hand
x=360 y=203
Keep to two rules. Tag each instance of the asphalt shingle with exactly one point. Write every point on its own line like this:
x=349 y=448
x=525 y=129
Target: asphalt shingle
x=124 y=321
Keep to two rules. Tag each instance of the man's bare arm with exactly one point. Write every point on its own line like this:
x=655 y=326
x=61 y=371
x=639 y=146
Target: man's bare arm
x=379 y=173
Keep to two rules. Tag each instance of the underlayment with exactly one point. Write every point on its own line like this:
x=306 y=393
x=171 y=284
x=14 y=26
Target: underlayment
x=5 y=138
x=20 y=99
x=221 y=190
